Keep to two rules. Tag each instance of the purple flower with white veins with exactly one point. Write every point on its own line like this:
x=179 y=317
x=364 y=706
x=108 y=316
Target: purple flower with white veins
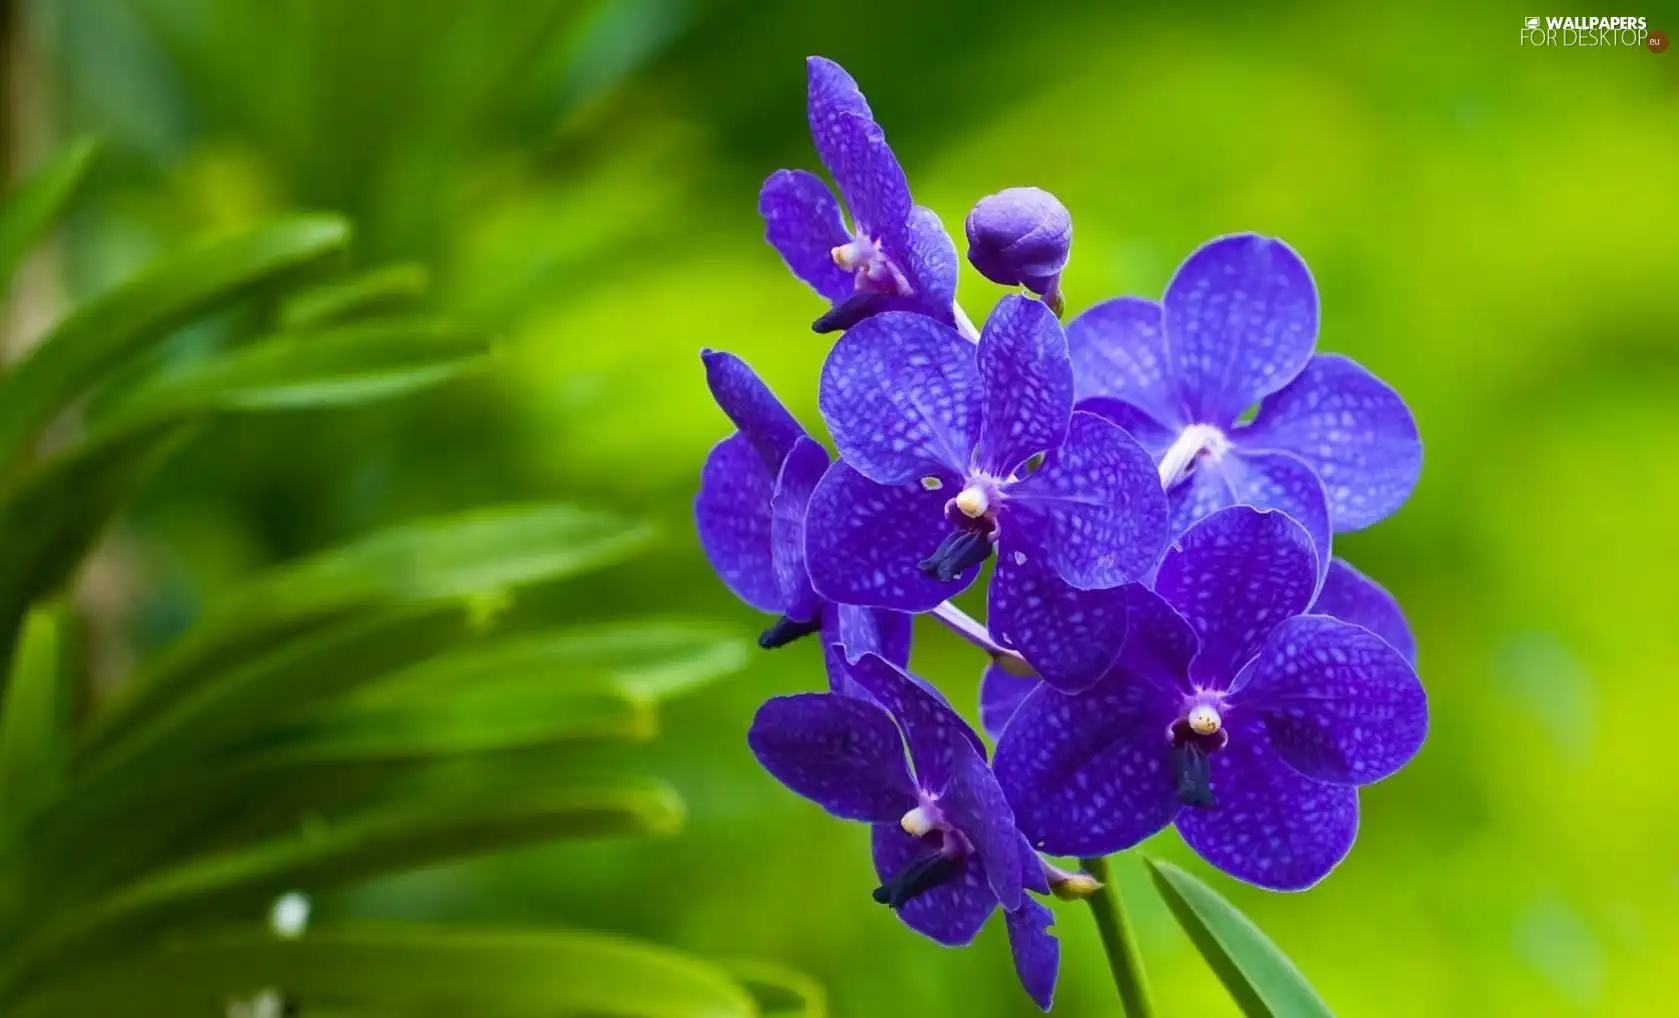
x=945 y=844
x=1331 y=445
x=895 y=255
x=750 y=516
x=1246 y=723
x=937 y=437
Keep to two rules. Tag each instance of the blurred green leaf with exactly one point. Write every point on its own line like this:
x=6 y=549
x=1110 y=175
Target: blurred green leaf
x=1264 y=983
x=102 y=333
x=540 y=710
x=50 y=517
x=35 y=205
x=34 y=728
x=398 y=971
x=778 y=990
x=377 y=289
x=473 y=554
x=388 y=837
x=345 y=365
x=650 y=659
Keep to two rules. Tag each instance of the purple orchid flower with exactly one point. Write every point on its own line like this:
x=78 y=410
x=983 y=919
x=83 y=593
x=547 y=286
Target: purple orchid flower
x=1347 y=594
x=1331 y=445
x=1248 y=724
x=1022 y=236
x=895 y=255
x=750 y=515
x=945 y=845
x=950 y=450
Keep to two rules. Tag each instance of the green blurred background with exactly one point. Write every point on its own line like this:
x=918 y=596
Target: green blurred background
x=1494 y=230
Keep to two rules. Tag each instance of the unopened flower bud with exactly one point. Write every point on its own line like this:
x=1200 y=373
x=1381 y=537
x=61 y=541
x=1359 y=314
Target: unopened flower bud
x=1021 y=236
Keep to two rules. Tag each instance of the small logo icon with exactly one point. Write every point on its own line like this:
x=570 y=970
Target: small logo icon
x=1657 y=41
x=1533 y=22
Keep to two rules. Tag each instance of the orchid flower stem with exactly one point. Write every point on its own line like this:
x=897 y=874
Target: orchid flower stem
x=970 y=629
x=964 y=324
x=1119 y=941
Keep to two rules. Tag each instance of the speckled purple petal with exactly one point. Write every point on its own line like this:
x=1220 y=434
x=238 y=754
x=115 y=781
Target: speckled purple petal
x=802 y=222
x=1028 y=385
x=1350 y=596
x=1095 y=506
x=901 y=395
x=1149 y=433
x=1264 y=480
x=830 y=93
x=752 y=407
x=864 y=541
x=1353 y=429
x=1159 y=644
x=868 y=176
x=1032 y=875
x=1241 y=317
x=1271 y=825
x=862 y=631
x=1070 y=636
x=1090 y=774
x=1119 y=350
x=923 y=251
x=939 y=740
x=1340 y=703
x=1001 y=692
x=951 y=914
x=974 y=803
x=1233 y=576
x=804 y=466
x=1037 y=952
x=732 y=514
x=845 y=755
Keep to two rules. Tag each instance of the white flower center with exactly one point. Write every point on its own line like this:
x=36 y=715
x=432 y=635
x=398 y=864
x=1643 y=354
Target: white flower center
x=973 y=501
x=1190 y=445
x=919 y=822
x=1203 y=719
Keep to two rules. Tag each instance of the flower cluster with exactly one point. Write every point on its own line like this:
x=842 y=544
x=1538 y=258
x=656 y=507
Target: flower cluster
x=1156 y=485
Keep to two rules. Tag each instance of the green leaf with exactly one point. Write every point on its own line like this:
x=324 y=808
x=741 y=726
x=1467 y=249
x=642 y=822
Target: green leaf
x=35 y=205
x=451 y=558
x=398 y=970
x=403 y=834
x=375 y=290
x=103 y=333
x=778 y=990
x=1264 y=983
x=345 y=365
x=471 y=719
x=34 y=728
x=648 y=659
x=51 y=517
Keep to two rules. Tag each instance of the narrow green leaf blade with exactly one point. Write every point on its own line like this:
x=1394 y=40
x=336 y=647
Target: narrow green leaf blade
x=34 y=728
x=779 y=992
x=35 y=205
x=1263 y=981
x=450 y=558
x=51 y=517
x=329 y=367
x=401 y=970
x=391 y=837
x=377 y=289
x=104 y=332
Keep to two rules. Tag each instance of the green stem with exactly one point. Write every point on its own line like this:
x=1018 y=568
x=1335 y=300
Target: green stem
x=1119 y=941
